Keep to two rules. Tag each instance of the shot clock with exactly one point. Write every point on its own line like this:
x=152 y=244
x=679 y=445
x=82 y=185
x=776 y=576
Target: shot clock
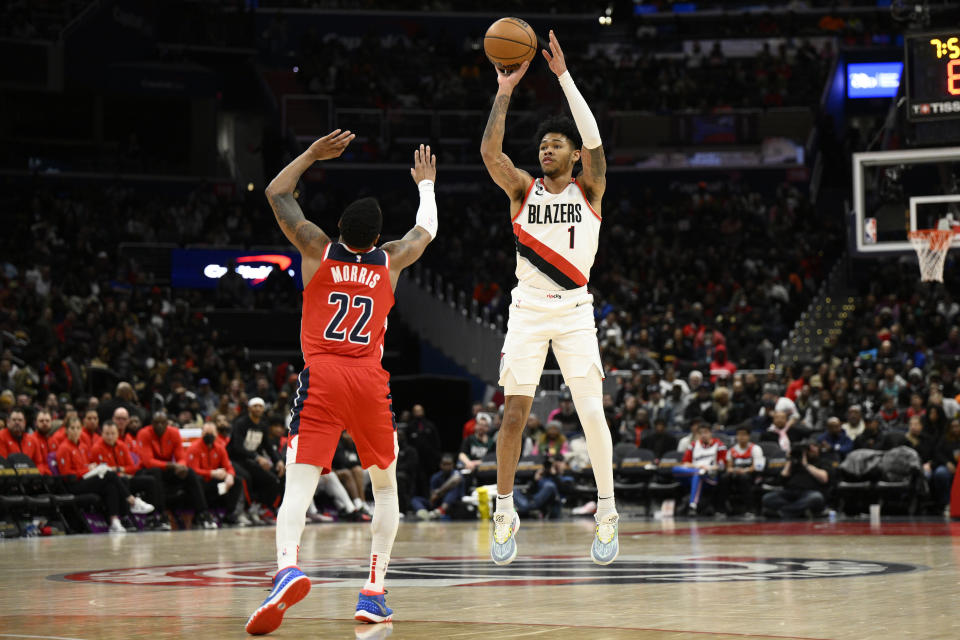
x=933 y=75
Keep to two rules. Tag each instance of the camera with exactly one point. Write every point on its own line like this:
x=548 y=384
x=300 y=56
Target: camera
x=798 y=449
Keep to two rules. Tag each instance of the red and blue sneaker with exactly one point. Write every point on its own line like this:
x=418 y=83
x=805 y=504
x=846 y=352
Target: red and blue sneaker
x=372 y=607
x=290 y=586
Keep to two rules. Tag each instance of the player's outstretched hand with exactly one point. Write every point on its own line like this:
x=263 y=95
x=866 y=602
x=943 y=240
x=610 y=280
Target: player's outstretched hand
x=510 y=79
x=555 y=56
x=424 y=165
x=331 y=145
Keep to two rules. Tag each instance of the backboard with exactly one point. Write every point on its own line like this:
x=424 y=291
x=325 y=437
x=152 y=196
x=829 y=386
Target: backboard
x=895 y=192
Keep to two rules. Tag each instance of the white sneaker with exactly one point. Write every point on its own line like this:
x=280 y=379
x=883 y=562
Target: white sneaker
x=606 y=544
x=116 y=526
x=243 y=520
x=140 y=507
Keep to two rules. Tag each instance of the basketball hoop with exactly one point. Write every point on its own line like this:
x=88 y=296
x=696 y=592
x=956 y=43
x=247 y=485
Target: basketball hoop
x=931 y=246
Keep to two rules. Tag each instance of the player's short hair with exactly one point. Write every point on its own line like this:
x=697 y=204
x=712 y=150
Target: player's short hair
x=743 y=428
x=360 y=223
x=562 y=125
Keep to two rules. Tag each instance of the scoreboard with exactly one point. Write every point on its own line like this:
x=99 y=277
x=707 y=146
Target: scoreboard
x=932 y=75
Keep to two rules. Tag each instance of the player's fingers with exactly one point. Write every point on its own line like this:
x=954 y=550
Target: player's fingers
x=547 y=55
x=427 y=153
x=330 y=135
x=433 y=161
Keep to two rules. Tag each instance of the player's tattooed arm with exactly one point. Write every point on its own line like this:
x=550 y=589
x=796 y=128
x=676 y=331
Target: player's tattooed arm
x=505 y=174
x=307 y=237
x=303 y=234
x=594 y=174
x=408 y=249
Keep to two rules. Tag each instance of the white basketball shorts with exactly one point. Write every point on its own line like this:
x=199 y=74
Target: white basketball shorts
x=540 y=317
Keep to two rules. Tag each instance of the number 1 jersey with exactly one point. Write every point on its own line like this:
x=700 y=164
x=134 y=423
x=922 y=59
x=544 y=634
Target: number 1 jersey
x=345 y=305
x=556 y=236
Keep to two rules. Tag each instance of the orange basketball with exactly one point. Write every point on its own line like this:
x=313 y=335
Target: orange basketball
x=509 y=42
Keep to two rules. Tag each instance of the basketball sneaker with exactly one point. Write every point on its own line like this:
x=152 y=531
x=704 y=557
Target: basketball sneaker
x=372 y=607
x=290 y=586
x=503 y=547
x=606 y=544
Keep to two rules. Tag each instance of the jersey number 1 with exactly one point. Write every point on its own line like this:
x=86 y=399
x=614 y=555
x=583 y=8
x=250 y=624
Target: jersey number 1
x=571 y=230
x=358 y=335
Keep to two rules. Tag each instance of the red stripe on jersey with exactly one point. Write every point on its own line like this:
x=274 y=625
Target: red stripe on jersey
x=549 y=255
x=585 y=199
x=524 y=203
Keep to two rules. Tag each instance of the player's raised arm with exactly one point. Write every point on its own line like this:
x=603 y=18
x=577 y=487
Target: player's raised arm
x=594 y=162
x=408 y=249
x=307 y=237
x=512 y=180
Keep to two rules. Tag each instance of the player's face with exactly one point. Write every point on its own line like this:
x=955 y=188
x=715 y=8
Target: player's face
x=73 y=431
x=557 y=155
x=44 y=422
x=743 y=438
x=706 y=435
x=91 y=421
x=16 y=423
x=110 y=435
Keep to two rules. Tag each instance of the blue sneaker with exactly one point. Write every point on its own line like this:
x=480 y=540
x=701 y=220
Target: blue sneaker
x=373 y=608
x=606 y=544
x=290 y=586
x=503 y=546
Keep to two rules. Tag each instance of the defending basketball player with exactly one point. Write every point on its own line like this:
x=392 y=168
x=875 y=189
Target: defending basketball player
x=556 y=222
x=347 y=294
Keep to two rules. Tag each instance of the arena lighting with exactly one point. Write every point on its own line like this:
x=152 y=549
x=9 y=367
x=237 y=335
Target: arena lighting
x=249 y=186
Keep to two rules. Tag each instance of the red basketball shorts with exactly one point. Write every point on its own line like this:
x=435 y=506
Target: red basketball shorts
x=333 y=396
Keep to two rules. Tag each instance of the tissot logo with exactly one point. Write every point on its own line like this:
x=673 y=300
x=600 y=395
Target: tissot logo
x=524 y=572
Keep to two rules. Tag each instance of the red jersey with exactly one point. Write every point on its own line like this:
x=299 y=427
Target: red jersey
x=157 y=453
x=37 y=446
x=57 y=439
x=749 y=457
x=345 y=305
x=9 y=444
x=71 y=460
x=713 y=454
x=116 y=456
x=203 y=459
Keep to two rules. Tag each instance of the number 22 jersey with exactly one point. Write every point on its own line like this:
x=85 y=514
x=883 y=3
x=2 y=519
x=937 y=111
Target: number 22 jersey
x=345 y=305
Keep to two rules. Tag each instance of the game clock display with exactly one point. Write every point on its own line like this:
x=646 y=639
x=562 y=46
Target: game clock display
x=933 y=75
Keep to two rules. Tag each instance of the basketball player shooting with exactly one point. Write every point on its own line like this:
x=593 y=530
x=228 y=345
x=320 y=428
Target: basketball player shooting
x=347 y=294
x=556 y=223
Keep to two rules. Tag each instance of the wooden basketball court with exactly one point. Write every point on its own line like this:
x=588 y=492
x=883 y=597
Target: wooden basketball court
x=706 y=579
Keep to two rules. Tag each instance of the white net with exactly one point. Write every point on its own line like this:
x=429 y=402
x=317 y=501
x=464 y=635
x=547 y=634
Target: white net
x=931 y=246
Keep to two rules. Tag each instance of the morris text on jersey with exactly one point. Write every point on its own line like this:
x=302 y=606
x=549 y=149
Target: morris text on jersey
x=559 y=213
x=355 y=273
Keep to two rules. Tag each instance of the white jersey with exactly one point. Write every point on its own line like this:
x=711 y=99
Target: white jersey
x=557 y=236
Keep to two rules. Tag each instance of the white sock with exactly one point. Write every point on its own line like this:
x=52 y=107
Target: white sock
x=301 y=483
x=505 y=503
x=378 y=570
x=383 y=525
x=605 y=506
x=358 y=503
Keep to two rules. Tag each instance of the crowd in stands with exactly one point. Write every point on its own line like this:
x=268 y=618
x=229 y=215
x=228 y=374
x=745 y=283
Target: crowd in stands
x=389 y=73
x=681 y=310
